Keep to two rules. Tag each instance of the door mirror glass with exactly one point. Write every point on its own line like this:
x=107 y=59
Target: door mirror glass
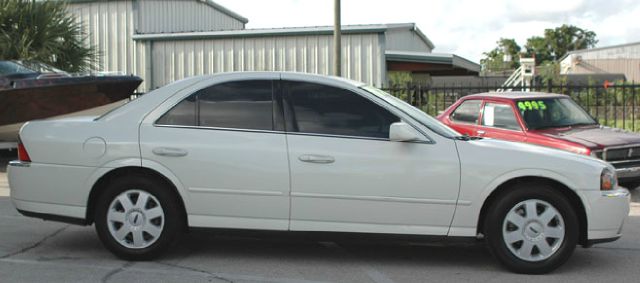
x=401 y=132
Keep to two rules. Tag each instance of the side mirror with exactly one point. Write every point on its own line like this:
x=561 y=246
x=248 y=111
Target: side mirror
x=401 y=132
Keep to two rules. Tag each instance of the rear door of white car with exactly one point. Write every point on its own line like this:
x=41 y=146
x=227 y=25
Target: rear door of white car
x=347 y=176
x=225 y=143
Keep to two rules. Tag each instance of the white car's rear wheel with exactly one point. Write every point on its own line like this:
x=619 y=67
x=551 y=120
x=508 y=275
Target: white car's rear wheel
x=137 y=218
x=532 y=228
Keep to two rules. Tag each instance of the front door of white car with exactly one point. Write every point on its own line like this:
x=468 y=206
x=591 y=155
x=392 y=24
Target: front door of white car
x=223 y=145
x=346 y=175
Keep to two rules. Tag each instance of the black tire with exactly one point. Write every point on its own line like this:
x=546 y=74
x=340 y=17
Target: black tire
x=495 y=220
x=172 y=221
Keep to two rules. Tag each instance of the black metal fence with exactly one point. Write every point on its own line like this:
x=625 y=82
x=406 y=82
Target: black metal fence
x=615 y=105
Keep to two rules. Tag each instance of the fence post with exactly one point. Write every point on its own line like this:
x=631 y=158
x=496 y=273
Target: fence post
x=589 y=99
x=550 y=86
x=624 y=106
x=633 y=105
x=606 y=106
x=408 y=93
x=428 y=90
x=596 y=95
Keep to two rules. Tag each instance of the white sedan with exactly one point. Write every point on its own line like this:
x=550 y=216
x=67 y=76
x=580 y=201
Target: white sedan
x=299 y=152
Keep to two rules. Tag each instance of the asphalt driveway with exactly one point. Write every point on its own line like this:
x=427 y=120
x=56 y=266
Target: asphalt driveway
x=33 y=250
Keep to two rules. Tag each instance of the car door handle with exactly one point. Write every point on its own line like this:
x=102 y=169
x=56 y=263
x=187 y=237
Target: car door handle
x=169 y=151
x=314 y=158
x=480 y=133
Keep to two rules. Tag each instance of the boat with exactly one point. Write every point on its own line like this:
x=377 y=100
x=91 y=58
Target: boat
x=32 y=90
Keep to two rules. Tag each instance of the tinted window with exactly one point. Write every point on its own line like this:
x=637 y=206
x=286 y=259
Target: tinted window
x=499 y=116
x=183 y=114
x=242 y=105
x=321 y=109
x=467 y=112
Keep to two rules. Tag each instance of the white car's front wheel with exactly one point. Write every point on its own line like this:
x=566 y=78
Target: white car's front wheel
x=532 y=228
x=137 y=218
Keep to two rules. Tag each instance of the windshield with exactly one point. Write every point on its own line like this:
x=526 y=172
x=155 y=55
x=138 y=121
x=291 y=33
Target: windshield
x=414 y=112
x=552 y=112
x=8 y=68
x=13 y=68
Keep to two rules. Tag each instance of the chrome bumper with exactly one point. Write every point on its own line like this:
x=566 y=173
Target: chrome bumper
x=624 y=173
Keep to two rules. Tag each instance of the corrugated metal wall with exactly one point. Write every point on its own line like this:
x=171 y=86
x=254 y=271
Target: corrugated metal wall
x=363 y=57
x=615 y=60
x=162 y=16
x=405 y=40
x=621 y=52
x=110 y=25
x=629 y=67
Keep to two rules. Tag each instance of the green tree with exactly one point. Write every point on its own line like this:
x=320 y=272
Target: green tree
x=538 y=46
x=43 y=31
x=548 y=48
x=557 y=42
x=495 y=59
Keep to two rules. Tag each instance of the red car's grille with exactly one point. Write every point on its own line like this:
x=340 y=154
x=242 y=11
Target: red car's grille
x=618 y=154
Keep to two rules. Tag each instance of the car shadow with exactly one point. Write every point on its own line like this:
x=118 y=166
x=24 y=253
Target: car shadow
x=212 y=250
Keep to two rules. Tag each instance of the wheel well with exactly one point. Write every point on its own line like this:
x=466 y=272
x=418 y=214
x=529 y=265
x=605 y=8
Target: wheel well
x=104 y=181
x=573 y=198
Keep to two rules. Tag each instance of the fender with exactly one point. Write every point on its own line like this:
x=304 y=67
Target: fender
x=528 y=172
x=467 y=212
x=137 y=162
x=172 y=178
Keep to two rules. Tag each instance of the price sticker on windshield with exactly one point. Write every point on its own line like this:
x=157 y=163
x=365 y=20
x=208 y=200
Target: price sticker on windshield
x=531 y=105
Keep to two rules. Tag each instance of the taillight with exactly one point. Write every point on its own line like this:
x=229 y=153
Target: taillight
x=22 y=153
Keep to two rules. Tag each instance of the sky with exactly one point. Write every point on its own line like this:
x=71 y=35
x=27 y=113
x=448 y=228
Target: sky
x=466 y=28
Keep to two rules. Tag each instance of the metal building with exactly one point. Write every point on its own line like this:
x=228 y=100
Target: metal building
x=164 y=41
x=618 y=59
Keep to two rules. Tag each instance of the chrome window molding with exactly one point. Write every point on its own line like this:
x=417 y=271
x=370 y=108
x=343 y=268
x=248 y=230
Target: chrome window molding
x=280 y=132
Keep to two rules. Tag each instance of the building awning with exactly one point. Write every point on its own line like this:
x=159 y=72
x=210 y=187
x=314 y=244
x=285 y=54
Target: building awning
x=435 y=64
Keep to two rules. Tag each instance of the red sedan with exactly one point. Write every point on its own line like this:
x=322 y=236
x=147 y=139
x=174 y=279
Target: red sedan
x=546 y=119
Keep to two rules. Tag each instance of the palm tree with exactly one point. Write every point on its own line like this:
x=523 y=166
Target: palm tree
x=44 y=31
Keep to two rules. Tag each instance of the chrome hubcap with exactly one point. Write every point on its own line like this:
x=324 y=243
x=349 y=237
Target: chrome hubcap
x=533 y=230
x=135 y=219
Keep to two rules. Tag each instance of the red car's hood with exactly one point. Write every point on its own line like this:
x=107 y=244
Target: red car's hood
x=592 y=136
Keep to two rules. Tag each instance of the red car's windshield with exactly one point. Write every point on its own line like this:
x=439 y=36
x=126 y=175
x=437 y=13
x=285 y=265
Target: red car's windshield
x=552 y=112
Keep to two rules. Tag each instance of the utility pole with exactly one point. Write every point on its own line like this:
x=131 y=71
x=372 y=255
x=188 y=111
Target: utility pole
x=337 y=44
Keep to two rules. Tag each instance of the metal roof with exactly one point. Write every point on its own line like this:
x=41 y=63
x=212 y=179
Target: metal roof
x=209 y=3
x=598 y=49
x=317 y=30
x=515 y=95
x=434 y=58
x=225 y=10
